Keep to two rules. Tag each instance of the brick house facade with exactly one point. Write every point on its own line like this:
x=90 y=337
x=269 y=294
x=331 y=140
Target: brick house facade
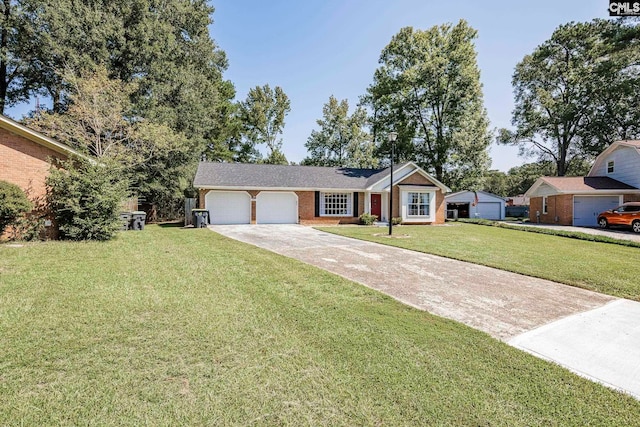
x=613 y=179
x=25 y=156
x=313 y=192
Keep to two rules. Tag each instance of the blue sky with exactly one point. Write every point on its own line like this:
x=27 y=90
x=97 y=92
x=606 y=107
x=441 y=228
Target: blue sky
x=317 y=48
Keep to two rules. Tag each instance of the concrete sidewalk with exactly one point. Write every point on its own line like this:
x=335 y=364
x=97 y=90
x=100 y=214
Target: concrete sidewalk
x=602 y=342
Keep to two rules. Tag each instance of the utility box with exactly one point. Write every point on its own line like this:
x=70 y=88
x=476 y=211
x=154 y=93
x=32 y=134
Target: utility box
x=200 y=218
x=137 y=220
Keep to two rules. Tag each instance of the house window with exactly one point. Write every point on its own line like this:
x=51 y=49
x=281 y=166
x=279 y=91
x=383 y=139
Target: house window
x=610 y=166
x=417 y=204
x=336 y=204
x=545 y=205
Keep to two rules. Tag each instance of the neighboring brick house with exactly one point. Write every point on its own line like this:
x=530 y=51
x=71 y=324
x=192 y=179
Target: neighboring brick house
x=613 y=179
x=236 y=193
x=25 y=155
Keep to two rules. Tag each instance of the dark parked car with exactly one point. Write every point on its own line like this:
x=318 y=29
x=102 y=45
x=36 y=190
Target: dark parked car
x=628 y=215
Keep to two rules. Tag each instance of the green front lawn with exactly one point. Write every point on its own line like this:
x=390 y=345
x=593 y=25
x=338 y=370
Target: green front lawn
x=185 y=327
x=601 y=267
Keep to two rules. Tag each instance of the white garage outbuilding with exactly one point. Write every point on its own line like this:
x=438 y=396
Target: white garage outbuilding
x=275 y=207
x=228 y=207
x=475 y=204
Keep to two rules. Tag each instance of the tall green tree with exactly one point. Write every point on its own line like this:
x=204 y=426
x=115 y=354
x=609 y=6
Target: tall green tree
x=428 y=90
x=15 y=55
x=262 y=117
x=164 y=47
x=577 y=92
x=342 y=139
x=100 y=120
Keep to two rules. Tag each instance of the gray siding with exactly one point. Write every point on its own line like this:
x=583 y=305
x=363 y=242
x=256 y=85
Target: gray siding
x=626 y=166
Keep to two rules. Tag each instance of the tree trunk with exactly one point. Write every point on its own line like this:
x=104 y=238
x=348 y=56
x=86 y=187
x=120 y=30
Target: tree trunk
x=439 y=172
x=562 y=161
x=4 y=42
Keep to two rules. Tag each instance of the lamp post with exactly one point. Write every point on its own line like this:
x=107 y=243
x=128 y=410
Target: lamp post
x=392 y=141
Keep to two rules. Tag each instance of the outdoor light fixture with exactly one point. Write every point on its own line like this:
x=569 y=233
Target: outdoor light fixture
x=392 y=141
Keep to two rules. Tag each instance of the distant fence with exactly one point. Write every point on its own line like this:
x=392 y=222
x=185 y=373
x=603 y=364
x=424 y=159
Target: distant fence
x=516 y=211
x=189 y=205
x=129 y=205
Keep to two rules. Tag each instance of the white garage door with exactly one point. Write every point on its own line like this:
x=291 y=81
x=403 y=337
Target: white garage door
x=276 y=208
x=228 y=207
x=489 y=210
x=587 y=208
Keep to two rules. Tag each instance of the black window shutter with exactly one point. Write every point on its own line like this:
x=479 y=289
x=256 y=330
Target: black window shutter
x=355 y=204
x=317 y=204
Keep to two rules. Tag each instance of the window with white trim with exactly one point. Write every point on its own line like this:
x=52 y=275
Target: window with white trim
x=545 y=205
x=336 y=204
x=417 y=204
x=610 y=166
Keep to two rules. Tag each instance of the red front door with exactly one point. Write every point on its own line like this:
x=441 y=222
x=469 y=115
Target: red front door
x=376 y=205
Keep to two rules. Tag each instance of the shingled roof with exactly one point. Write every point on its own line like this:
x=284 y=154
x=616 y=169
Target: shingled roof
x=585 y=183
x=243 y=175
x=581 y=184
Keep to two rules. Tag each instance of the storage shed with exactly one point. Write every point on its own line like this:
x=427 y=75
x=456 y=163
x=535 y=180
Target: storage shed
x=474 y=204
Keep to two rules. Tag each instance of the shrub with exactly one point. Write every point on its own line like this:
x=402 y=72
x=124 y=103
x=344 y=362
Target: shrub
x=368 y=219
x=85 y=199
x=396 y=221
x=13 y=204
x=29 y=228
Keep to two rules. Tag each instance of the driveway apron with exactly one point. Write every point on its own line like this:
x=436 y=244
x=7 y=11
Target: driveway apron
x=517 y=309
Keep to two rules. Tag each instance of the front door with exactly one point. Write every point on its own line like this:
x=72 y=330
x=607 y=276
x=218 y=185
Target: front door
x=376 y=205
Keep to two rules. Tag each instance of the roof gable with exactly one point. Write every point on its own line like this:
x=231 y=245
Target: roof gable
x=409 y=168
x=598 y=164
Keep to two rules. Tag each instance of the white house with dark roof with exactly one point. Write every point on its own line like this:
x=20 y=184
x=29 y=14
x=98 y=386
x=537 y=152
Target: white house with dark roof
x=237 y=193
x=613 y=179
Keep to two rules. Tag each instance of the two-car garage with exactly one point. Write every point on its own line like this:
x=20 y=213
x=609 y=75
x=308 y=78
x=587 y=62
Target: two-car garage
x=234 y=207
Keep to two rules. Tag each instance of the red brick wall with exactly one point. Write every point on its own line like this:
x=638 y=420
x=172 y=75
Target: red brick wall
x=559 y=207
x=306 y=211
x=441 y=208
x=25 y=163
x=306 y=208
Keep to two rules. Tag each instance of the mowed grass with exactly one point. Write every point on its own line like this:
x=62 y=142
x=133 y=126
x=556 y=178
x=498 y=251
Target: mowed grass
x=601 y=267
x=173 y=327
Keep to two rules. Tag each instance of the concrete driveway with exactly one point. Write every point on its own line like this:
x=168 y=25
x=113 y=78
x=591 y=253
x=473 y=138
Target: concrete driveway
x=579 y=329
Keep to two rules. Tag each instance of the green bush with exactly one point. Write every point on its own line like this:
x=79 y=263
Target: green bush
x=396 y=220
x=85 y=199
x=13 y=204
x=368 y=219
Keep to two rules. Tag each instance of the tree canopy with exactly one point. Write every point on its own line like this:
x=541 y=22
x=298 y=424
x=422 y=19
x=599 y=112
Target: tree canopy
x=428 y=90
x=164 y=47
x=577 y=93
x=100 y=121
x=262 y=118
x=342 y=139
